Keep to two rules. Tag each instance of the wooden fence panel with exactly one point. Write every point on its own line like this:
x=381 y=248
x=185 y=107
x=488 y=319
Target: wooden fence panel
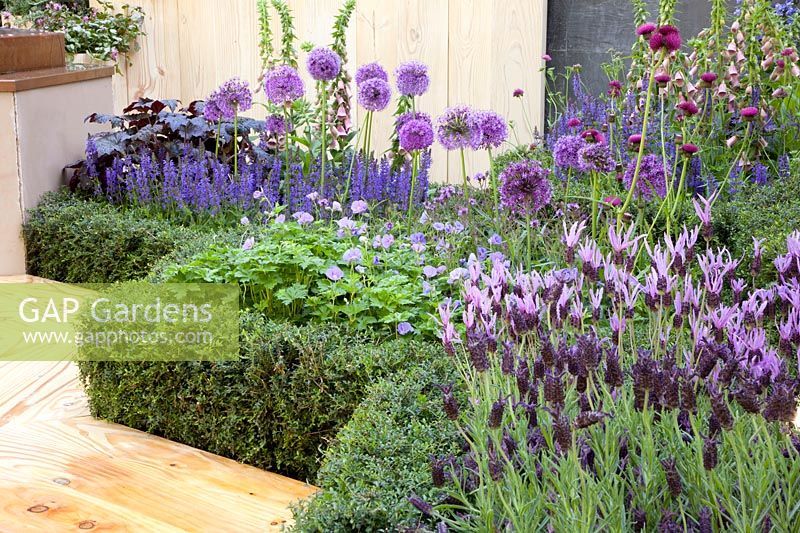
x=478 y=52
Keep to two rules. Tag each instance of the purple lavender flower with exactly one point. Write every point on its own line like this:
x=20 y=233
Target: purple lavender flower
x=459 y=128
x=323 y=64
x=374 y=94
x=416 y=134
x=567 y=151
x=493 y=129
x=651 y=177
x=524 y=187
x=334 y=273
x=412 y=78
x=370 y=71
x=283 y=85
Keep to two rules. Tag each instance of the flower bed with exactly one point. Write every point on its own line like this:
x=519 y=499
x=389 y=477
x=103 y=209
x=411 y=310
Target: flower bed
x=618 y=300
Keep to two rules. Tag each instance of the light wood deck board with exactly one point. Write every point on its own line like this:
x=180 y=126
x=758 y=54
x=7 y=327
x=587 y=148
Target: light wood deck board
x=86 y=474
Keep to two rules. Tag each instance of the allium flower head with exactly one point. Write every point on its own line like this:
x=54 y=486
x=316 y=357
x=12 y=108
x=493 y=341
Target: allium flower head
x=493 y=129
x=370 y=71
x=412 y=78
x=567 y=151
x=323 y=64
x=596 y=157
x=231 y=97
x=211 y=112
x=283 y=85
x=651 y=177
x=524 y=187
x=374 y=94
x=459 y=127
x=275 y=125
x=406 y=117
x=416 y=134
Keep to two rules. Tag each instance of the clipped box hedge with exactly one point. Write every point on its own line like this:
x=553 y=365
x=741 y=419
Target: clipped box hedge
x=75 y=240
x=382 y=456
x=276 y=407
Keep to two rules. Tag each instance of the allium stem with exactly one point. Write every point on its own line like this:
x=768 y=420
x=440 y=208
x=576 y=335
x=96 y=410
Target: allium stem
x=640 y=156
x=414 y=171
x=324 y=146
x=595 y=200
x=466 y=183
x=236 y=143
x=494 y=185
x=287 y=178
x=219 y=132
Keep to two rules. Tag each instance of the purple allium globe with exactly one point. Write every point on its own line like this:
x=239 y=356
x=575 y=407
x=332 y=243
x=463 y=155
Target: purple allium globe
x=459 y=128
x=412 y=78
x=370 y=71
x=231 y=97
x=374 y=94
x=403 y=119
x=416 y=134
x=275 y=125
x=323 y=64
x=524 y=187
x=567 y=151
x=493 y=129
x=283 y=85
x=596 y=157
x=651 y=177
x=210 y=111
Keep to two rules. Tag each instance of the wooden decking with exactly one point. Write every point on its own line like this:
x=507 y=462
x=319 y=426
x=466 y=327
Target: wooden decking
x=62 y=470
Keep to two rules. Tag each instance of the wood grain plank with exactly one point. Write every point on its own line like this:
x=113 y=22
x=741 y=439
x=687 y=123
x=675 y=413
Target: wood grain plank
x=61 y=470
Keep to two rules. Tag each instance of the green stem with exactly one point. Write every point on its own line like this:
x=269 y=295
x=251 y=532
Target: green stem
x=414 y=170
x=595 y=200
x=324 y=146
x=528 y=237
x=466 y=184
x=735 y=162
x=679 y=193
x=495 y=187
x=219 y=131
x=236 y=143
x=287 y=176
x=640 y=156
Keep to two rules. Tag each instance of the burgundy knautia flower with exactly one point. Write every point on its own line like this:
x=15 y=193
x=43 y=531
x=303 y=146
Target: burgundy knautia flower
x=574 y=122
x=667 y=37
x=652 y=174
x=493 y=129
x=370 y=71
x=323 y=64
x=662 y=79
x=593 y=136
x=283 y=85
x=708 y=78
x=412 y=78
x=646 y=29
x=524 y=187
x=518 y=93
x=596 y=157
x=374 y=94
x=566 y=152
x=459 y=128
x=688 y=108
x=749 y=113
x=689 y=149
x=416 y=134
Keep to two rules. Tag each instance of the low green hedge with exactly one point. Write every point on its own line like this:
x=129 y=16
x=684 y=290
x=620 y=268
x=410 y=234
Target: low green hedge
x=75 y=240
x=284 y=399
x=382 y=456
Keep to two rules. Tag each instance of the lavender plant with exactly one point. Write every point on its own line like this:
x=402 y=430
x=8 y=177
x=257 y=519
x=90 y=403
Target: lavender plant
x=655 y=407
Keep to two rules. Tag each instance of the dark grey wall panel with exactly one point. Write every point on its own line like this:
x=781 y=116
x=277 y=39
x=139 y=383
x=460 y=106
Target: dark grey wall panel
x=583 y=31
